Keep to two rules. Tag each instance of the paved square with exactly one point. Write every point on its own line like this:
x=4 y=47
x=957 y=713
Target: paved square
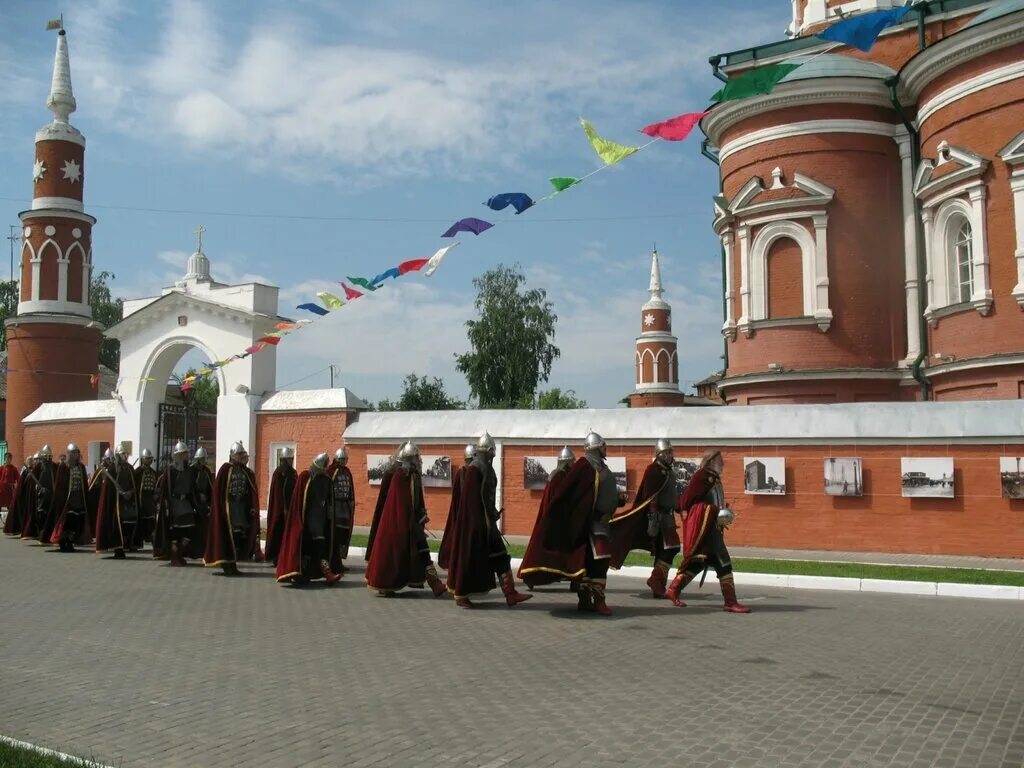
x=138 y=664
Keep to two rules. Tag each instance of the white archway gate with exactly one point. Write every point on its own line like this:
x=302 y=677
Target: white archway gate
x=221 y=321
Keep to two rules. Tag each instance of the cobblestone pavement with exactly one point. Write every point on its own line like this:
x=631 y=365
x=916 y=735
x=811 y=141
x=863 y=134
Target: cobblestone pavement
x=138 y=664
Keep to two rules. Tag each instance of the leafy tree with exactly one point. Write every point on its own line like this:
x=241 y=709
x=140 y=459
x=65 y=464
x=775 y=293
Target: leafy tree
x=108 y=311
x=511 y=350
x=553 y=400
x=202 y=394
x=8 y=306
x=422 y=394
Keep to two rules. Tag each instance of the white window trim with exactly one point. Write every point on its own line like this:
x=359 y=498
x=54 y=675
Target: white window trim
x=274 y=449
x=937 y=220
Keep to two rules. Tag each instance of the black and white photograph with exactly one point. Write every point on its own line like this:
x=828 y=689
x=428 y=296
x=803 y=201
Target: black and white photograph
x=764 y=476
x=843 y=477
x=1011 y=476
x=684 y=470
x=537 y=470
x=437 y=471
x=927 y=477
x=376 y=463
x=617 y=464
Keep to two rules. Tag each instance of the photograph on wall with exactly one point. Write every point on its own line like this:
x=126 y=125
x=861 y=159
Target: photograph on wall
x=927 y=477
x=843 y=477
x=764 y=476
x=617 y=464
x=376 y=463
x=437 y=471
x=537 y=470
x=1011 y=476
x=684 y=470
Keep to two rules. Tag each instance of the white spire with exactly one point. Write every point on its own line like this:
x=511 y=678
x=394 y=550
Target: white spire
x=655 y=302
x=198 y=264
x=61 y=100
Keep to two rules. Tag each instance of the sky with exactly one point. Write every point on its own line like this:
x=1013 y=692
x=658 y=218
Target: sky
x=316 y=139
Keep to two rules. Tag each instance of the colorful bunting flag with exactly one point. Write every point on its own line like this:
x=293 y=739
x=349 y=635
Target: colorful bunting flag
x=757 y=81
x=675 y=128
x=204 y=372
x=362 y=282
x=186 y=385
x=285 y=326
x=862 y=31
x=476 y=226
x=435 y=261
x=330 y=300
x=94 y=379
x=518 y=200
x=350 y=293
x=255 y=348
x=609 y=152
x=562 y=183
x=412 y=265
x=393 y=272
x=269 y=339
x=316 y=309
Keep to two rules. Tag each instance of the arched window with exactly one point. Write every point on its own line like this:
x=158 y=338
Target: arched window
x=960 y=253
x=785 y=283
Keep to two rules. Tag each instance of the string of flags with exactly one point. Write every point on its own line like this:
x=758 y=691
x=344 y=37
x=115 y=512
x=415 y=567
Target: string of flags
x=861 y=32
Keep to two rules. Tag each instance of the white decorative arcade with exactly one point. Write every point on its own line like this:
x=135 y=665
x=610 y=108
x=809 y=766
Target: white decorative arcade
x=219 y=320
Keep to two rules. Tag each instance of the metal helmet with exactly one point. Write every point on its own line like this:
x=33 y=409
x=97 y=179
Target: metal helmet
x=341 y=454
x=663 y=446
x=37 y=456
x=470 y=452
x=320 y=462
x=46 y=452
x=147 y=455
x=179 y=448
x=408 y=451
x=122 y=450
x=72 y=448
x=725 y=517
x=566 y=455
x=485 y=444
x=236 y=449
x=593 y=442
x=200 y=454
x=287 y=453
x=108 y=455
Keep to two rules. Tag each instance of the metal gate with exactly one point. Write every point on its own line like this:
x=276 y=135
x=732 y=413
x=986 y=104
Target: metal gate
x=177 y=422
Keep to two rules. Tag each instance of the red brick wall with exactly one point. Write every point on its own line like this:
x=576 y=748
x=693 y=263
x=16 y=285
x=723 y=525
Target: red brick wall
x=54 y=154
x=59 y=433
x=882 y=520
x=849 y=390
x=785 y=279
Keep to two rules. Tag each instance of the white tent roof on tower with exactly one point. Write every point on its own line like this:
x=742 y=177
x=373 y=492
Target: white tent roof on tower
x=656 y=301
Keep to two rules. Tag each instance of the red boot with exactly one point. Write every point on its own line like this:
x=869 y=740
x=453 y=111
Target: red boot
x=659 y=578
x=508 y=588
x=437 y=586
x=463 y=602
x=672 y=593
x=732 y=605
x=600 y=606
x=329 y=576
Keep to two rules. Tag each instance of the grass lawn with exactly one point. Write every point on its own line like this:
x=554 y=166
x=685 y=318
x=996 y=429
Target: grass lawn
x=817 y=568
x=16 y=757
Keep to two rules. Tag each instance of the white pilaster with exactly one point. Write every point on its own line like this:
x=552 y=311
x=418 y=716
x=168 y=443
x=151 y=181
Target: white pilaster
x=37 y=272
x=912 y=278
x=729 y=326
x=62 y=277
x=927 y=219
x=981 y=296
x=821 y=310
x=1017 y=186
x=743 y=323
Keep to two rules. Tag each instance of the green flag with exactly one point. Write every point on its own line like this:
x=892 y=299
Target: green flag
x=329 y=300
x=363 y=283
x=757 y=81
x=562 y=183
x=608 y=151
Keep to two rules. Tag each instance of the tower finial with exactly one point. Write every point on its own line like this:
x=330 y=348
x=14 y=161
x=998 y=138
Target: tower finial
x=199 y=238
x=61 y=100
x=655 y=287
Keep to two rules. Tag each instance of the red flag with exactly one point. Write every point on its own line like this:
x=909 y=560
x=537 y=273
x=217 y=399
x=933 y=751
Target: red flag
x=270 y=340
x=94 y=379
x=413 y=265
x=254 y=348
x=186 y=385
x=350 y=293
x=675 y=128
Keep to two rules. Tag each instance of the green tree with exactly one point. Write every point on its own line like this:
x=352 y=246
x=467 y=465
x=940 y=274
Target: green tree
x=8 y=307
x=202 y=394
x=106 y=310
x=554 y=400
x=511 y=350
x=422 y=394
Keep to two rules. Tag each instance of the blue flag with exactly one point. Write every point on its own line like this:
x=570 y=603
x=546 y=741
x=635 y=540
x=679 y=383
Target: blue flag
x=316 y=309
x=393 y=272
x=862 y=31
x=518 y=200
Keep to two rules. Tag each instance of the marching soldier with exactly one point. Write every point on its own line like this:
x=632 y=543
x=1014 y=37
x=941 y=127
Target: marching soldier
x=118 y=513
x=178 y=532
x=73 y=524
x=344 y=497
x=145 y=481
x=309 y=530
x=233 y=534
x=542 y=566
x=282 y=486
x=204 y=482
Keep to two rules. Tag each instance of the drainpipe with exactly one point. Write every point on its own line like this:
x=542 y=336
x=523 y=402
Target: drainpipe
x=725 y=306
x=922 y=10
x=915 y=160
x=715 y=62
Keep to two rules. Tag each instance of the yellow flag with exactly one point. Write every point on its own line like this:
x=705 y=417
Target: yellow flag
x=330 y=301
x=54 y=24
x=607 y=150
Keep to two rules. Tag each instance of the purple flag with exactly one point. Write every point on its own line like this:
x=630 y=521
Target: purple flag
x=476 y=226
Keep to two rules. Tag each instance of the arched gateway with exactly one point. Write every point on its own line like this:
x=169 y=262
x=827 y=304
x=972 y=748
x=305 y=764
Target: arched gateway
x=217 y=319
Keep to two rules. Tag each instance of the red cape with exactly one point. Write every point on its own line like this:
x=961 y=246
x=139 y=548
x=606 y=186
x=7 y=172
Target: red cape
x=109 y=534
x=447 y=537
x=290 y=562
x=220 y=544
x=468 y=562
x=699 y=515
x=85 y=534
x=28 y=492
x=629 y=528
x=571 y=509
x=382 y=495
x=9 y=477
x=278 y=506
x=162 y=530
x=394 y=562
x=544 y=566
x=15 y=520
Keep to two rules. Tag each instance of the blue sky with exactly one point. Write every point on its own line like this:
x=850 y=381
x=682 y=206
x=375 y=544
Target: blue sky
x=410 y=114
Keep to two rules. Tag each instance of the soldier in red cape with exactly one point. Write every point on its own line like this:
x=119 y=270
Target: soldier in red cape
x=542 y=566
x=202 y=489
x=73 y=496
x=282 y=486
x=8 y=482
x=309 y=529
x=24 y=501
x=397 y=553
x=145 y=481
x=650 y=523
x=477 y=553
x=233 y=533
x=343 y=492
x=448 y=537
x=50 y=491
x=118 y=511
x=703 y=539
x=179 y=530
x=578 y=519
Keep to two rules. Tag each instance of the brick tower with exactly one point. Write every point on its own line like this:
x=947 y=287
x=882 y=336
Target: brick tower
x=52 y=344
x=657 y=361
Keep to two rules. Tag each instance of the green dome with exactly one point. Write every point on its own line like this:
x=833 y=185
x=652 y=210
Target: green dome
x=835 y=65
x=996 y=11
